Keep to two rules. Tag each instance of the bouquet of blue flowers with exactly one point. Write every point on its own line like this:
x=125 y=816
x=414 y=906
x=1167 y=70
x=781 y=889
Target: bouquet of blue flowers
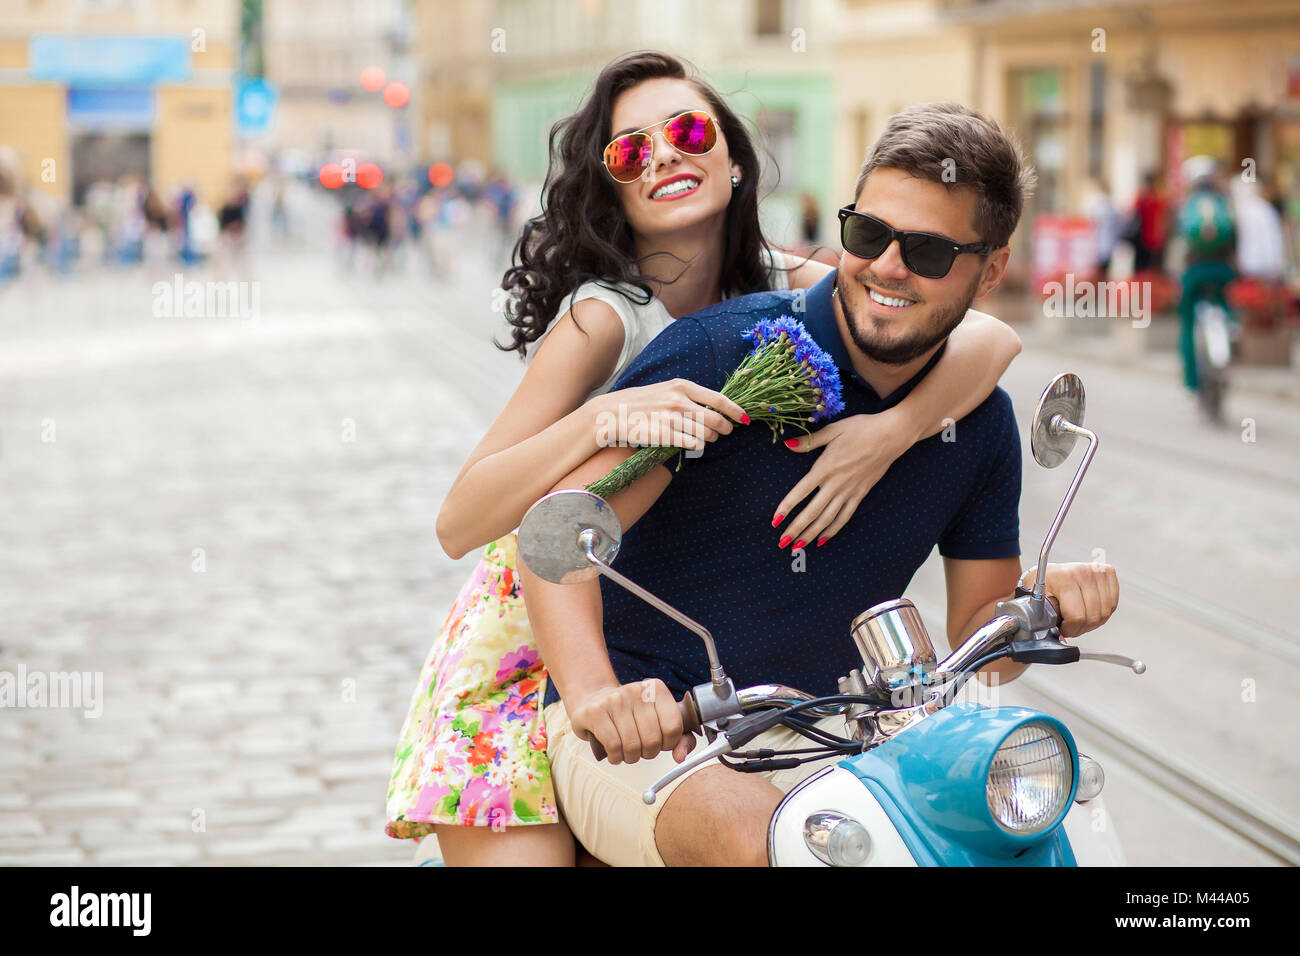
x=786 y=379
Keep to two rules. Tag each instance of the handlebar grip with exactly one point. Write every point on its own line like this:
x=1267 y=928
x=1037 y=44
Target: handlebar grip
x=690 y=716
x=690 y=724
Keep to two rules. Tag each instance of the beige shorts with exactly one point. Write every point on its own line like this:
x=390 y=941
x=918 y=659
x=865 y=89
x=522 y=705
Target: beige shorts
x=602 y=802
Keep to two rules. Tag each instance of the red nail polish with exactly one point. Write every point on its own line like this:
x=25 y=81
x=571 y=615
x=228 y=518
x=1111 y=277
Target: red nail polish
x=799 y=544
x=792 y=443
x=822 y=540
x=744 y=419
x=784 y=541
x=777 y=520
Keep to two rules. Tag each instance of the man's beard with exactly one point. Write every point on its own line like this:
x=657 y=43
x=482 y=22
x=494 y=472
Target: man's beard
x=919 y=341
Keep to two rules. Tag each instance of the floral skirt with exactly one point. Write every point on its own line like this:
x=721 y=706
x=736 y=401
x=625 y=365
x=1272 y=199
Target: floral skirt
x=473 y=747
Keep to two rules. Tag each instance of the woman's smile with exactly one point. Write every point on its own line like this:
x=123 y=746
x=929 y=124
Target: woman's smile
x=675 y=187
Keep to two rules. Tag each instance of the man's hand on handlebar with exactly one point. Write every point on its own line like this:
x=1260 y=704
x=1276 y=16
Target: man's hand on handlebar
x=1087 y=594
x=632 y=722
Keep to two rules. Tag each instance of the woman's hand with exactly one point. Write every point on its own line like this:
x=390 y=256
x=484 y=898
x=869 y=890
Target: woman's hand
x=671 y=413
x=858 y=452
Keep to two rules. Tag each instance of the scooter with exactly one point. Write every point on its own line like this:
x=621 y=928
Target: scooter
x=926 y=779
x=1213 y=332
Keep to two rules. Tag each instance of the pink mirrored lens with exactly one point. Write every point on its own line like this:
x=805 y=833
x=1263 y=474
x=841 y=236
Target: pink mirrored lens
x=692 y=133
x=626 y=157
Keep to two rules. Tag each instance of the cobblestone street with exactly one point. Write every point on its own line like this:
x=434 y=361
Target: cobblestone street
x=233 y=521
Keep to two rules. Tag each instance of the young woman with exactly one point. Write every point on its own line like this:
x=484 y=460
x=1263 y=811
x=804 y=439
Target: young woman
x=650 y=213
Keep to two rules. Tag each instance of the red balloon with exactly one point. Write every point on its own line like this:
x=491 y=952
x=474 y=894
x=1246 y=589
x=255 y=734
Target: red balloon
x=369 y=176
x=331 y=175
x=397 y=95
x=372 y=78
x=440 y=174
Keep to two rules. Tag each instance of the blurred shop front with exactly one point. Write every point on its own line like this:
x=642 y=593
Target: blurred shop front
x=1109 y=92
x=79 y=108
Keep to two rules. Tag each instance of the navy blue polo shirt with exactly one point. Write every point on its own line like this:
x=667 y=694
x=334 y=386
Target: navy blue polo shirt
x=708 y=548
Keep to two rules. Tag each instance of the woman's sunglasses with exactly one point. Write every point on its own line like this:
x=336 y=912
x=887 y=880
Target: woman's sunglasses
x=627 y=156
x=926 y=254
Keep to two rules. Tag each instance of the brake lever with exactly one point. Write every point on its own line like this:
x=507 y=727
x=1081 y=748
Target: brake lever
x=721 y=745
x=1136 y=666
x=738 y=734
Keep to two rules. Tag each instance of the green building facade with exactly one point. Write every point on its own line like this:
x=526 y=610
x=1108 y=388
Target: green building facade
x=791 y=113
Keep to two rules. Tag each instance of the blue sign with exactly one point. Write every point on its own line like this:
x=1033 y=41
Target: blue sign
x=100 y=109
x=255 y=101
x=130 y=61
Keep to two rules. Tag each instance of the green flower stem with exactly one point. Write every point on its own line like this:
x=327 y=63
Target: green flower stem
x=637 y=465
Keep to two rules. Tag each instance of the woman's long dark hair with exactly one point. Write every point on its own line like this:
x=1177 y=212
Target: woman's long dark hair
x=582 y=233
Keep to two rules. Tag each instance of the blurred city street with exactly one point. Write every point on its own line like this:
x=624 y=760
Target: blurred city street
x=233 y=521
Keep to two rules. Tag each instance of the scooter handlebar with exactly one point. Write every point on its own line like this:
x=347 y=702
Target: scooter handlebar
x=690 y=724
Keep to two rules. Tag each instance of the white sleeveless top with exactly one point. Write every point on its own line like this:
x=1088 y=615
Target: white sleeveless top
x=642 y=322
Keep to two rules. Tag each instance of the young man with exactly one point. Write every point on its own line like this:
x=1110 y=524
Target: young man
x=701 y=538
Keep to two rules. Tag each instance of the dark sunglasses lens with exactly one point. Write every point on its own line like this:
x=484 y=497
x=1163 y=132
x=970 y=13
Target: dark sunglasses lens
x=692 y=133
x=625 y=158
x=862 y=237
x=928 y=256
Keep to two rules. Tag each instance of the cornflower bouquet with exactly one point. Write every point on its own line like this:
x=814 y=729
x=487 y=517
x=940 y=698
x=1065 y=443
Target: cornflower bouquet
x=786 y=379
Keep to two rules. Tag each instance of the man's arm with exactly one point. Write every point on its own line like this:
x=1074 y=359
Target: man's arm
x=974 y=589
x=630 y=721
x=1086 y=594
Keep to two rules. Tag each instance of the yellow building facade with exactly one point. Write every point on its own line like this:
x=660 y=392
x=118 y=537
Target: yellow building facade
x=1100 y=91
x=97 y=90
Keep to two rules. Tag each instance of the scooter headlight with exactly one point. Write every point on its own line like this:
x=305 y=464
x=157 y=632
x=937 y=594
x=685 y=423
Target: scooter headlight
x=1029 y=780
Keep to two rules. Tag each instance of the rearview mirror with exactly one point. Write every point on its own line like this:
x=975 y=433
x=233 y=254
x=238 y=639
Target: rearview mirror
x=1062 y=401
x=551 y=536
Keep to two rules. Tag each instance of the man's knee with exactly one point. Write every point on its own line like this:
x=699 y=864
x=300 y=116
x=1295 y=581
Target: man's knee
x=717 y=817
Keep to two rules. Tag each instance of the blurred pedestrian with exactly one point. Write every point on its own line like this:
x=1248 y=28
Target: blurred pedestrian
x=1100 y=210
x=379 y=227
x=503 y=200
x=187 y=247
x=128 y=224
x=1151 y=212
x=232 y=219
x=11 y=235
x=1261 y=244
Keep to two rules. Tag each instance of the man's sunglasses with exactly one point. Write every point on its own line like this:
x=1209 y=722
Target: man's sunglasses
x=926 y=254
x=627 y=156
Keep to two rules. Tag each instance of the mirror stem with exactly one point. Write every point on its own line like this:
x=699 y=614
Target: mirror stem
x=1061 y=424
x=716 y=674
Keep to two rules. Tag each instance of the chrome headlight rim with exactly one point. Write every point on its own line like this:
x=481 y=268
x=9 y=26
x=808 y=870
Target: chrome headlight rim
x=1049 y=730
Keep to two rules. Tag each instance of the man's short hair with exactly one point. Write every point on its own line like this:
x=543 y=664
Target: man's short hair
x=963 y=149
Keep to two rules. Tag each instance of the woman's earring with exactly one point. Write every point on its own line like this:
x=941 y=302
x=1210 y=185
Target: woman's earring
x=735 y=181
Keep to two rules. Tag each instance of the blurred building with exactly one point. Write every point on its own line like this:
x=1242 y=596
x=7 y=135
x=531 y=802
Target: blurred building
x=1115 y=90
x=96 y=89
x=453 y=43
x=1100 y=90
x=497 y=75
x=315 y=52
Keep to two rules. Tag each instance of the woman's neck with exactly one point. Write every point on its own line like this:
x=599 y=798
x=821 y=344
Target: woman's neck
x=685 y=271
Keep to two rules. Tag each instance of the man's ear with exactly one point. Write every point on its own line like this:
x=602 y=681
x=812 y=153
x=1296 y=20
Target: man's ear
x=995 y=268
